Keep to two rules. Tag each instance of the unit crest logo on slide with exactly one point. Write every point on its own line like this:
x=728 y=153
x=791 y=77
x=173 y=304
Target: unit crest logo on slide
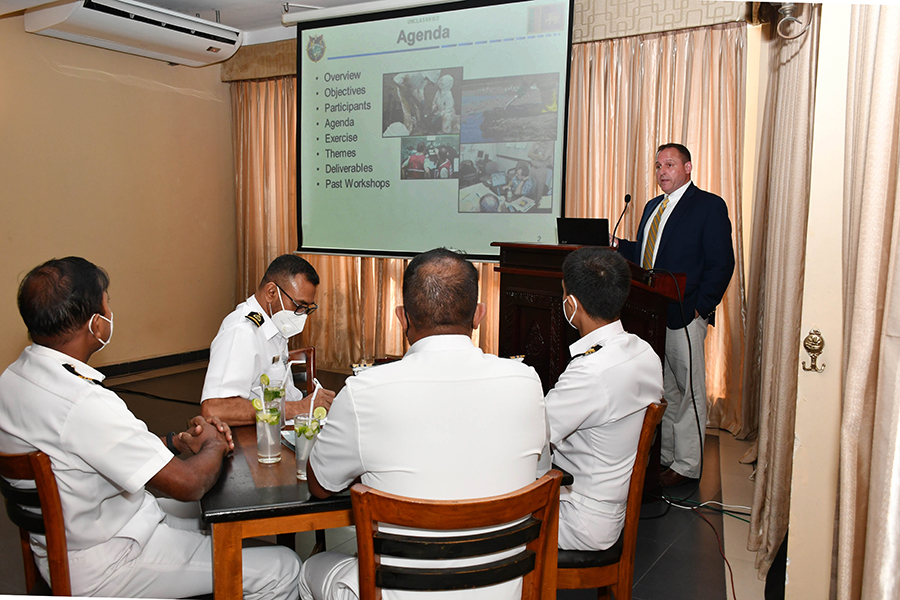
x=315 y=49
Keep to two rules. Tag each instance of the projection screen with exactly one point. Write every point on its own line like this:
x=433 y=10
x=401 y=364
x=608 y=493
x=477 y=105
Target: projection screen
x=439 y=125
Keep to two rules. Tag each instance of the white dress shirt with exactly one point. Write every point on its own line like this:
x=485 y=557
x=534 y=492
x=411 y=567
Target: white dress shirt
x=445 y=422
x=242 y=351
x=674 y=197
x=101 y=454
x=595 y=412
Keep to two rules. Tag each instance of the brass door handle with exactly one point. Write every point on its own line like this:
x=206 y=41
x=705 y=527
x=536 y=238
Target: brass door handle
x=814 y=343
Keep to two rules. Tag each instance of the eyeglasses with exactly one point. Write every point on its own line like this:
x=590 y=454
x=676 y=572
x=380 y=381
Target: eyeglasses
x=301 y=309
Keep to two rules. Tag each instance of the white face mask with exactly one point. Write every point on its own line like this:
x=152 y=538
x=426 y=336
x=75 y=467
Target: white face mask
x=568 y=318
x=110 y=321
x=287 y=322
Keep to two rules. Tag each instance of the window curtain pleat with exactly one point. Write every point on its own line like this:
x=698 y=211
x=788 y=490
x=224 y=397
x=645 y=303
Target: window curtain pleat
x=628 y=96
x=867 y=544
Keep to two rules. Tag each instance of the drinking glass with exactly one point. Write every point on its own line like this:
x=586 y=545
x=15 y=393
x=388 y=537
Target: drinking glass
x=268 y=431
x=306 y=430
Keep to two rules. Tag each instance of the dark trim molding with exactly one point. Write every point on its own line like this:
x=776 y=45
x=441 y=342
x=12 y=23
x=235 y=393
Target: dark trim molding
x=151 y=364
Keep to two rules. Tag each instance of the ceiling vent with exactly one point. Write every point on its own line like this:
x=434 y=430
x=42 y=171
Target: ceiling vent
x=136 y=28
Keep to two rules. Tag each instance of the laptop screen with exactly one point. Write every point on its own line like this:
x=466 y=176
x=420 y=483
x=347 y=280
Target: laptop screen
x=583 y=232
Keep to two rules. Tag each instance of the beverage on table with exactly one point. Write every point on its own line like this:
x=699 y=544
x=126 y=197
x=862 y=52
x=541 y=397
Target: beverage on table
x=268 y=421
x=306 y=429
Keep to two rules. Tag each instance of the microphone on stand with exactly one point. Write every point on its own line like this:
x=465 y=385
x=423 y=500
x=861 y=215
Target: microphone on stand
x=627 y=200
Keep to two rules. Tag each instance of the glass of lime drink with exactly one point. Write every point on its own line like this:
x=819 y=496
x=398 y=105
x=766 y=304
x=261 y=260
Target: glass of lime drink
x=268 y=428
x=306 y=430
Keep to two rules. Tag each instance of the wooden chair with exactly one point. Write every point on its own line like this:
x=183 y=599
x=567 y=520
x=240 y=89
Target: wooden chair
x=37 y=511
x=308 y=356
x=537 y=504
x=613 y=568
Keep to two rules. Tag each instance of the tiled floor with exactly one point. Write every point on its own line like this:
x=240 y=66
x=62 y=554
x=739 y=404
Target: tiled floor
x=677 y=556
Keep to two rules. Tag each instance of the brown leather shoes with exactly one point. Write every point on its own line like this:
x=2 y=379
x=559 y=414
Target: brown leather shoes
x=670 y=478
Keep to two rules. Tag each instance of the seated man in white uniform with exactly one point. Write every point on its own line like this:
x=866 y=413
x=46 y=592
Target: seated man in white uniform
x=596 y=409
x=253 y=340
x=121 y=543
x=445 y=422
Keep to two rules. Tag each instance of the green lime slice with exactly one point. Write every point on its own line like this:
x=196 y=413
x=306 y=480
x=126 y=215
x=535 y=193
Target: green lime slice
x=264 y=379
x=320 y=413
x=257 y=404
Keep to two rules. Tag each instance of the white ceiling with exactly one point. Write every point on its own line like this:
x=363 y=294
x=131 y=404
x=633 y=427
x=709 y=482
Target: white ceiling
x=260 y=20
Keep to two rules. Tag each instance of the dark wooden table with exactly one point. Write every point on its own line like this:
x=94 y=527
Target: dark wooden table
x=253 y=500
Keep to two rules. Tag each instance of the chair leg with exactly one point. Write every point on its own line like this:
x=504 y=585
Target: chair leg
x=320 y=542
x=603 y=593
x=288 y=540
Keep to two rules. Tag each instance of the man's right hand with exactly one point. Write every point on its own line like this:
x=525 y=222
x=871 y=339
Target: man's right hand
x=201 y=434
x=301 y=407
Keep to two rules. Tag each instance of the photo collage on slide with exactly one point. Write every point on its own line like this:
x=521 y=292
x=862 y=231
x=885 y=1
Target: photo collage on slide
x=494 y=136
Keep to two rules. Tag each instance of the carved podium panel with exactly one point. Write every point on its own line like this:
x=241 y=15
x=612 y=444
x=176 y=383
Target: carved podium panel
x=531 y=317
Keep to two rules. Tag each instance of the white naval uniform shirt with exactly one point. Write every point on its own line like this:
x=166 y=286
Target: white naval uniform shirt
x=595 y=411
x=445 y=422
x=242 y=351
x=101 y=454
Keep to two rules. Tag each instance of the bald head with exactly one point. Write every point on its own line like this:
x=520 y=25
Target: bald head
x=440 y=291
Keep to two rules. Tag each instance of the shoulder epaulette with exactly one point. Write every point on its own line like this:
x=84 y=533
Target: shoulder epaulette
x=72 y=370
x=256 y=318
x=590 y=350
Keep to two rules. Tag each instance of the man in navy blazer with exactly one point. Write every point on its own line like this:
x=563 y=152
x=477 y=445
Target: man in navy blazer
x=688 y=231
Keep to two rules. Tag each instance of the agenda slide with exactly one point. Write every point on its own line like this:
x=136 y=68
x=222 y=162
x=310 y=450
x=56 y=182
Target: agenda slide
x=432 y=126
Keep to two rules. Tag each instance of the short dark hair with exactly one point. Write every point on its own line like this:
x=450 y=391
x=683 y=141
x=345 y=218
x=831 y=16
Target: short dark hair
x=288 y=266
x=600 y=279
x=59 y=296
x=489 y=203
x=682 y=150
x=440 y=289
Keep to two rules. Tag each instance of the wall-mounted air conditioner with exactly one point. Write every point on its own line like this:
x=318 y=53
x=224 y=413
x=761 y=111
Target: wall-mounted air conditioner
x=136 y=28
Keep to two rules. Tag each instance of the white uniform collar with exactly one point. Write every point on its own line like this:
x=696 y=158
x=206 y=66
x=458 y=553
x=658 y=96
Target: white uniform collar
x=597 y=336
x=441 y=343
x=83 y=369
x=268 y=327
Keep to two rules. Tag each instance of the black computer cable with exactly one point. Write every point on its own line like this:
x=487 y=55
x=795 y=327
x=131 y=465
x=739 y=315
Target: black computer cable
x=684 y=323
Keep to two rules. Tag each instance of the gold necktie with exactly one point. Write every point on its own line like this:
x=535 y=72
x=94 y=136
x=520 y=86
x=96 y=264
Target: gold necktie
x=650 y=246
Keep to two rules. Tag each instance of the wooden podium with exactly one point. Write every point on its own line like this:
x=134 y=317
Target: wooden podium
x=532 y=321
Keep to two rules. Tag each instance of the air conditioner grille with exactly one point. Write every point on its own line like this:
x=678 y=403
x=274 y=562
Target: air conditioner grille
x=91 y=5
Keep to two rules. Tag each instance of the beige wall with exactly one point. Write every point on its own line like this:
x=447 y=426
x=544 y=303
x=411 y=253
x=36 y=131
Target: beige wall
x=817 y=429
x=126 y=161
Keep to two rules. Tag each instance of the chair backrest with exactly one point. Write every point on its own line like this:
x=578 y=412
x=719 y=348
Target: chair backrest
x=37 y=511
x=652 y=417
x=308 y=356
x=530 y=516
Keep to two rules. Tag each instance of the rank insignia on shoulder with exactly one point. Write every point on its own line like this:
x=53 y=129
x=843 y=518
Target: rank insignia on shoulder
x=256 y=318
x=72 y=370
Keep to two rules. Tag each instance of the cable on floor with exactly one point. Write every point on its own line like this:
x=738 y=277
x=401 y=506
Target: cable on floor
x=721 y=550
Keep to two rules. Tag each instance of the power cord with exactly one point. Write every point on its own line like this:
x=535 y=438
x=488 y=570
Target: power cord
x=122 y=390
x=684 y=323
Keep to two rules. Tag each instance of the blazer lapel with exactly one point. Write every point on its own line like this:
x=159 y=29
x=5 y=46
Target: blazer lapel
x=649 y=211
x=677 y=214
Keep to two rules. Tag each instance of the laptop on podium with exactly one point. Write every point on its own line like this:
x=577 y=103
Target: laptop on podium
x=582 y=232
